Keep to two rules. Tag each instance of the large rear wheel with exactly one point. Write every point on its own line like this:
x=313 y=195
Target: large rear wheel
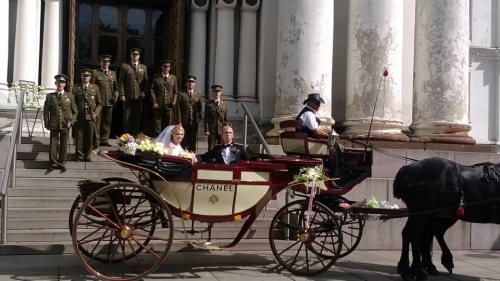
x=303 y=249
x=116 y=225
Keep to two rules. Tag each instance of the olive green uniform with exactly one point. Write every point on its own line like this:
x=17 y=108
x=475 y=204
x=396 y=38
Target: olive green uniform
x=88 y=102
x=164 y=93
x=57 y=113
x=189 y=111
x=108 y=88
x=215 y=119
x=132 y=83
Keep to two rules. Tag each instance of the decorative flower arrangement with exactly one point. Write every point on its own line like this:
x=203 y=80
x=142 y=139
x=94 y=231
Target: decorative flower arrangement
x=311 y=177
x=373 y=203
x=129 y=145
x=32 y=96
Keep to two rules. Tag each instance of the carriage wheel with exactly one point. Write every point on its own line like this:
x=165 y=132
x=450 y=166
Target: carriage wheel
x=352 y=230
x=115 y=224
x=302 y=250
x=78 y=201
x=77 y=204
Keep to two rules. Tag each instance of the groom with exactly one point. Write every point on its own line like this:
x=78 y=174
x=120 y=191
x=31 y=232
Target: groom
x=227 y=152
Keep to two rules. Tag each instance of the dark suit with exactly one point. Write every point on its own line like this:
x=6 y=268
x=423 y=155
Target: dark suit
x=132 y=84
x=238 y=152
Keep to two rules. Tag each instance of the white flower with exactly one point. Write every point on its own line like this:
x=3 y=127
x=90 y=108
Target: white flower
x=159 y=148
x=130 y=148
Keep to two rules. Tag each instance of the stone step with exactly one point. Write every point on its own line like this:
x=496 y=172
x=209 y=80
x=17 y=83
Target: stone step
x=47 y=182
x=47 y=248
x=74 y=174
x=44 y=156
x=70 y=192
x=63 y=223
x=72 y=165
x=40 y=202
x=63 y=235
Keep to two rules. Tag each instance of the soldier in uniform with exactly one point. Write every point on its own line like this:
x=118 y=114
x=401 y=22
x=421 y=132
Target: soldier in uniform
x=107 y=82
x=59 y=115
x=88 y=102
x=215 y=117
x=163 y=96
x=188 y=113
x=134 y=83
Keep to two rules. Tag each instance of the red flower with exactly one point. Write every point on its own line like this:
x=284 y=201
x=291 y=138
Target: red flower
x=460 y=211
x=386 y=72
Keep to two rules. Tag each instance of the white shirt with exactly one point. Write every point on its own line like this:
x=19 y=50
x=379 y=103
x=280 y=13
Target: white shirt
x=226 y=155
x=309 y=119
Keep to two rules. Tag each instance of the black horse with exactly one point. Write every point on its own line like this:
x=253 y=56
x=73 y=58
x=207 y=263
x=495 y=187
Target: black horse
x=437 y=193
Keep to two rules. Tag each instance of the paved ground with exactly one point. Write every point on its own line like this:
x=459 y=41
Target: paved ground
x=241 y=266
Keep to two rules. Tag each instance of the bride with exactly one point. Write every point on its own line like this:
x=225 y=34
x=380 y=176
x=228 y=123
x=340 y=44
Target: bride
x=171 y=137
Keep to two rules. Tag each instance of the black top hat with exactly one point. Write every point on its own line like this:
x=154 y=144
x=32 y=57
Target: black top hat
x=315 y=97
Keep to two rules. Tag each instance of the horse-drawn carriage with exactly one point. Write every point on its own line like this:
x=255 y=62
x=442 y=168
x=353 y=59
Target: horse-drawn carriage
x=123 y=230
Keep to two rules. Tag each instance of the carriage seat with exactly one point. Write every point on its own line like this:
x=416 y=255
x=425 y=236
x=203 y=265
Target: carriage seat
x=296 y=143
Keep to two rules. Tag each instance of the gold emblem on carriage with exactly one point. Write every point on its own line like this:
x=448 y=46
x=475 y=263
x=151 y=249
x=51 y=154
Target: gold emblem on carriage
x=213 y=199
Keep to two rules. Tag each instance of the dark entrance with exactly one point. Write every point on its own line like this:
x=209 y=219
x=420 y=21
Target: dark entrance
x=114 y=27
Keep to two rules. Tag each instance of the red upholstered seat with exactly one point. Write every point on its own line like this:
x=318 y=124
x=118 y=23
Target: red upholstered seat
x=297 y=143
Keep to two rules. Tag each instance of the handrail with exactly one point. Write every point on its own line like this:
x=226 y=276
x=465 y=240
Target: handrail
x=10 y=168
x=252 y=121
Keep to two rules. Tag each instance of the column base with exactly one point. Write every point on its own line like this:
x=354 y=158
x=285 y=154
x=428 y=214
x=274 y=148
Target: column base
x=360 y=130
x=441 y=132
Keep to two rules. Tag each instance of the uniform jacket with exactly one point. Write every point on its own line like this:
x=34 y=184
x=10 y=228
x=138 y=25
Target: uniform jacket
x=88 y=102
x=56 y=113
x=164 y=91
x=133 y=82
x=188 y=110
x=238 y=152
x=108 y=86
x=215 y=117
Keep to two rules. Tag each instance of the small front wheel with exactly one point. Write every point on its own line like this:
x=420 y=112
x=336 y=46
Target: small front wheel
x=305 y=249
x=116 y=225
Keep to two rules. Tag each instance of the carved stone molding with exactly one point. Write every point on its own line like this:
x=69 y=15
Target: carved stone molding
x=484 y=53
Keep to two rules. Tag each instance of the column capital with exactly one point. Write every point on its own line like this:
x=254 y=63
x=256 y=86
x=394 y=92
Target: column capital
x=199 y=5
x=250 y=5
x=226 y=4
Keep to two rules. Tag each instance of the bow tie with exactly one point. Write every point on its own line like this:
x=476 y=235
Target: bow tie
x=228 y=145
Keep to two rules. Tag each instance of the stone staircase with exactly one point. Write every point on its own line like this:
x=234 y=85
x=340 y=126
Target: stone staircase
x=39 y=205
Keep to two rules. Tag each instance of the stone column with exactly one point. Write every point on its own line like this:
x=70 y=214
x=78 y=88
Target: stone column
x=375 y=43
x=212 y=46
x=224 y=54
x=4 y=45
x=247 y=59
x=26 y=54
x=304 y=59
x=198 y=45
x=441 y=97
x=52 y=43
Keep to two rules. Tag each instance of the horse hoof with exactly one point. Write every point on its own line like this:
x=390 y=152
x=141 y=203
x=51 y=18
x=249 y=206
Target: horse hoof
x=450 y=269
x=432 y=271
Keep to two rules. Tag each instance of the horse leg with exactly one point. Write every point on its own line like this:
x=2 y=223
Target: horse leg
x=418 y=227
x=426 y=248
x=404 y=261
x=447 y=257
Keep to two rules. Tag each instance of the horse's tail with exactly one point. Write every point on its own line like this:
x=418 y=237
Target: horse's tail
x=399 y=184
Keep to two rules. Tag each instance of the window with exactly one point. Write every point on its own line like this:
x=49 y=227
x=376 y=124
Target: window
x=115 y=29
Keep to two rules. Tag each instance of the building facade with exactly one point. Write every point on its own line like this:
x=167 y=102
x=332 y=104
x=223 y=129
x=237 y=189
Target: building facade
x=441 y=57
